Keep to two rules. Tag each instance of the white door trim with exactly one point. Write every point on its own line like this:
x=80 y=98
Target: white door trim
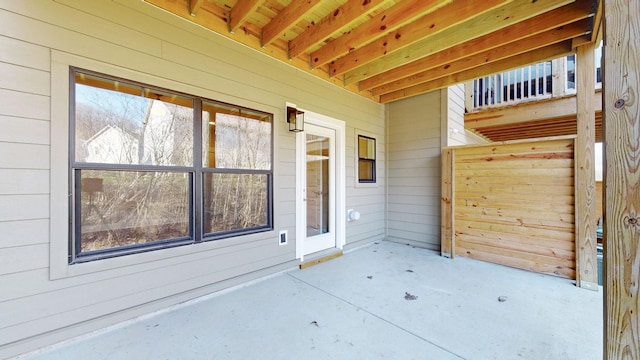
x=339 y=127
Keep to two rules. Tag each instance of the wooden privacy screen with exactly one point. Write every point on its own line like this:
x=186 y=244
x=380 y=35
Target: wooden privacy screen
x=511 y=203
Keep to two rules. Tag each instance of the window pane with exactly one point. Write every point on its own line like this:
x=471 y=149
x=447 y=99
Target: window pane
x=235 y=138
x=571 y=72
x=120 y=123
x=235 y=201
x=120 y=208
x=366 y=147
x=366 y=170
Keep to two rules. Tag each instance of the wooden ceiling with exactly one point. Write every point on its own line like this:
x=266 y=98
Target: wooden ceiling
x=388 y=50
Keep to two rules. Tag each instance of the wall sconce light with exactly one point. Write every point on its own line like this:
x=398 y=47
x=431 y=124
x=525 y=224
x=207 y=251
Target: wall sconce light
x=295 y=118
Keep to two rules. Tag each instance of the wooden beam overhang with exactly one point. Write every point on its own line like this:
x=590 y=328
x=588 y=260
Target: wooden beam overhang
x=420 y=30
x=194 y=6
x=286 y=19
x=546 y=53
x=488 y=22
x=240 y=13
x=534 y=42
x=378 y=26
x=559 y=17
x=214 y=18
x=342 y=17
x=375 y=46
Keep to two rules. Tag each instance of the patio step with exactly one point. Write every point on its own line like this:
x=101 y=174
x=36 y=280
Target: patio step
x=320 y=258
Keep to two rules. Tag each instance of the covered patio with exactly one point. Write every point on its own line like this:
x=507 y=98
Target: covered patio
x=384 y=300
x=93 y=244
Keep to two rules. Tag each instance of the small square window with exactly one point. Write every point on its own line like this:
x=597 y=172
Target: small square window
x=366 y=159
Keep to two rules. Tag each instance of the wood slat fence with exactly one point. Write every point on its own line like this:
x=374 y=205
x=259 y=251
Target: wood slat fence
x=511 y=203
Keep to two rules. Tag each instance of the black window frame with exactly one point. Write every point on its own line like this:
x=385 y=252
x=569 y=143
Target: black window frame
x=195 y=173
x=372 y=162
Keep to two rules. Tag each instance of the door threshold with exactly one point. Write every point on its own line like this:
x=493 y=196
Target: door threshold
x=320 y=257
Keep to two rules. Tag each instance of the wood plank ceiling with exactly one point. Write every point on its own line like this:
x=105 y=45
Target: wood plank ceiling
x=388 y=50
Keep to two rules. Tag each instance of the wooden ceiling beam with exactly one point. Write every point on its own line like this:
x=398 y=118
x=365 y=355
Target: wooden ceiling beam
x=212 y=17
x=241 y=12
x=546 y=53
x=558 y=17
x=491 y=21
x=596 y=34
x=346 y=14
x=566 y=32
x=194 y=6
x=286 y=19
x=383 y=23
x=420 y=30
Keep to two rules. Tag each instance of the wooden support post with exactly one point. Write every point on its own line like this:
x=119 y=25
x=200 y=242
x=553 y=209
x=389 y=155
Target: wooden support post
x=447 y=241
x=621 y=113
x=586 y=222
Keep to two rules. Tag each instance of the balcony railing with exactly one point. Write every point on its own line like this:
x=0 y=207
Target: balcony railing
x=527 y=83
x=535 y=82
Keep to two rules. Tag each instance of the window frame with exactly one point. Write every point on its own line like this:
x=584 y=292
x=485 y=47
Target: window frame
x=374 y=161
x=195 y=172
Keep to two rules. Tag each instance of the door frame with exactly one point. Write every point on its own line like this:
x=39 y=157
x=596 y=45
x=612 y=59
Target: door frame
x=339 y=127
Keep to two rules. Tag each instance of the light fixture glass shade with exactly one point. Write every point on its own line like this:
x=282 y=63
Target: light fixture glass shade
x=295 y=118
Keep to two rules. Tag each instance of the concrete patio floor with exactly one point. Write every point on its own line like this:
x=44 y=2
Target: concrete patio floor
x=383 y=301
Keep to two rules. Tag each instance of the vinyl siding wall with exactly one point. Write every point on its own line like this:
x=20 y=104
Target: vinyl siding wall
x=41 y=301
x=413 y=143
x=455 y=115
x=457 y=135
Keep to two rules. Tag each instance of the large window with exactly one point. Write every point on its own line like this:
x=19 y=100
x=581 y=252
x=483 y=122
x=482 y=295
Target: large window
x=152 y=168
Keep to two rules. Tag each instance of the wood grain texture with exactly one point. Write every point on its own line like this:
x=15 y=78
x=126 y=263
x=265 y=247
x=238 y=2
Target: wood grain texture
x=546 y=53
x=341 y=17
x=446 y=206
x=622 y=178
x=482 y=24
x=419 y=30
x=586 y=262
x=541 y=23
x=286 y=19
x=377 y=26
x=515 y=205
x=470 y=61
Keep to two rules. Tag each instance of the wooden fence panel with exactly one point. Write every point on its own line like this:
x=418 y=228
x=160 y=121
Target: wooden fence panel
x=514 y=204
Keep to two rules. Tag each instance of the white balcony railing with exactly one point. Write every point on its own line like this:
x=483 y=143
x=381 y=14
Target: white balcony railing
x=528 y=83
x=535 y=82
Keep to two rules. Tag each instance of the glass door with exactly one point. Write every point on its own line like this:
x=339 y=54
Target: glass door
x=319 y=192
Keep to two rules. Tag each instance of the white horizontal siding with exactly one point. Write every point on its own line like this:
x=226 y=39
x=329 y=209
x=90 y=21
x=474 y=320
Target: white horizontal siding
x=23 y=130
x=16 y=77
x=24 y=207
x=139 y=39
x=455 y=115
x=14 y=51
x=413 y=199
x=24 y=156
x=22 y=232
x=24 y=181
x=20 y=104
x=18 y=259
